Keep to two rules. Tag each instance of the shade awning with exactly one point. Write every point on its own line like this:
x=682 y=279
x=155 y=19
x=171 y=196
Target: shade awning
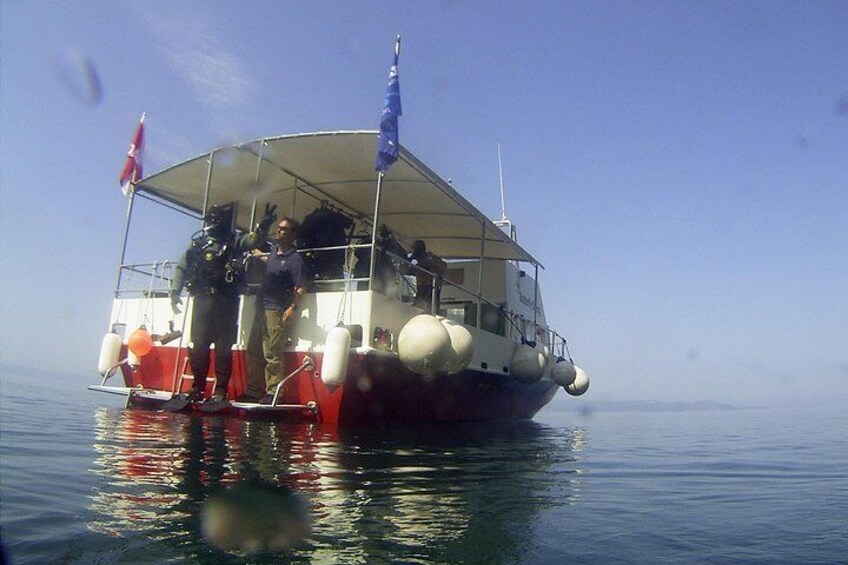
x=298 y=172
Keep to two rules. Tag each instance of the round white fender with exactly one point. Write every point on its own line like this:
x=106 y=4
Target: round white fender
x=546 y=351
x=424 y=345
x=549 y=359
x=462 y=347
x=110 y=349
x=528 y=364
x=336 y=356
x=580 y=384
x=563 y=372
x=133 y=359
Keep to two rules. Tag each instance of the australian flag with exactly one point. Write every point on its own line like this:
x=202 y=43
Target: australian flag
x=387 y=148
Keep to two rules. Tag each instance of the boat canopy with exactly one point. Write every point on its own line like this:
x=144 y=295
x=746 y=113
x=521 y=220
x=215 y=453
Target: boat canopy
x=298 y=172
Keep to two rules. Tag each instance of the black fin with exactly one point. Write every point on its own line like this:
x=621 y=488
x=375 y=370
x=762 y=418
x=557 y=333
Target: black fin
x=178 y=403
x=212 y=406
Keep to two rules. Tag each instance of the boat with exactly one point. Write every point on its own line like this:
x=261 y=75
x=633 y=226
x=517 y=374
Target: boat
x=368 y=348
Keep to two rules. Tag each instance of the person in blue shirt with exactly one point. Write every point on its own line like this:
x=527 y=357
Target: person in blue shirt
x=284 y=284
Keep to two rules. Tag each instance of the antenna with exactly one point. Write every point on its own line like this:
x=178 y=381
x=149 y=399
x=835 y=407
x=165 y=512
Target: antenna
x=500 y=175
x=504 y=222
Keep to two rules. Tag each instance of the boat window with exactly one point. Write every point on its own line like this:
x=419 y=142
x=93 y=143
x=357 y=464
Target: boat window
x=456 y=276
x=454 y=313
x=492 y=319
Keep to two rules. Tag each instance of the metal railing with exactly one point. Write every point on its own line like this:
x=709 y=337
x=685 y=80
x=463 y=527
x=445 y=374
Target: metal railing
x=157 y=278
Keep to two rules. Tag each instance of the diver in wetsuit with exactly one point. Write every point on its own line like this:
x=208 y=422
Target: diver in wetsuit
x=209 y=269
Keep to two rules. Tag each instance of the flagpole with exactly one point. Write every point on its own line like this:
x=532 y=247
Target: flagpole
x=130 y=201
x=388 y=148
x=131 y=198
x=373 y=266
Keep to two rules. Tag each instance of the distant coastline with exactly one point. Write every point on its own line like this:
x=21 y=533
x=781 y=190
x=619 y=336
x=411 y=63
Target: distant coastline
x=652 y=406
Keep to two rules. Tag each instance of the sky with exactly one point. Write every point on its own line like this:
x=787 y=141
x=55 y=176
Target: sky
x=679 y=168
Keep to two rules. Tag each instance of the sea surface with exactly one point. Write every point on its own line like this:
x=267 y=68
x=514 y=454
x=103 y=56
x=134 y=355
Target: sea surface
x=82 y=480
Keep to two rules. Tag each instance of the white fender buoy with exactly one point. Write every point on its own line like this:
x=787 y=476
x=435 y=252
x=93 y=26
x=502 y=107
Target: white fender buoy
x=549 y=359
x=110 y=350
x=563 y=372
x=133 y=359
x=546 y=351
x=580 y=384
x=336 y=356
x=424 y=345
x=528 y=364
x=462 y=347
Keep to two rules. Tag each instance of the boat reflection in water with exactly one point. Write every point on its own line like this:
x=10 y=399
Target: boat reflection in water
x=470 y=493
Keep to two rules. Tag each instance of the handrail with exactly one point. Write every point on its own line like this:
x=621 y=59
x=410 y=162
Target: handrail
x=556 y=340
x=134 y=267
x=440 y=279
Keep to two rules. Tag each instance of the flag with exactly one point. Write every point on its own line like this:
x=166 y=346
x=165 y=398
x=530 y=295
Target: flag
x=387 y=148
x=132 y=168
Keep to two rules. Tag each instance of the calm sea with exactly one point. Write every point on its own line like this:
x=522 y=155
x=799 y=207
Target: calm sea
x=84 y=481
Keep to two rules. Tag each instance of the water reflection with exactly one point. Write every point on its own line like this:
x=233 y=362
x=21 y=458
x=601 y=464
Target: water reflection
x=471 y=493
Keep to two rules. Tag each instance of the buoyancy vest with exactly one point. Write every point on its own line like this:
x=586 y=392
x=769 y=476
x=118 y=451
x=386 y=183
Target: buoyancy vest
x=209 y=265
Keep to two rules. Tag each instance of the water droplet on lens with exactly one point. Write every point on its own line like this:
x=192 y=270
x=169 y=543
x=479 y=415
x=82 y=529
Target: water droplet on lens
x=79 y=75
x=255 y=517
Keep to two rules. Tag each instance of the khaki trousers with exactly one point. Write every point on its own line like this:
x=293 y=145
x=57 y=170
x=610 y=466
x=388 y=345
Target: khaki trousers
x=274 y=339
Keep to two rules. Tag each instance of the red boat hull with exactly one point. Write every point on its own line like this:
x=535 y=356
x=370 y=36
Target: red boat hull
x=378 y=389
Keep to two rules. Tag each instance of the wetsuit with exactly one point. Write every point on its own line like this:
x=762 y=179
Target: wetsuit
x=207 y=270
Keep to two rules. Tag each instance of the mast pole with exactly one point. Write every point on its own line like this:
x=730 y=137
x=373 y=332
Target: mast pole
x=208 y=187
x=130 y=201
x=535 y=297
x=250 y=222
x=134 y=152
x=373 y=266
x=480 y=273
x=500 y=176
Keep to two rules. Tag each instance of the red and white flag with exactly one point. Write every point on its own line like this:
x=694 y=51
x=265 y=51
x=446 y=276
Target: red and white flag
x=132 y=169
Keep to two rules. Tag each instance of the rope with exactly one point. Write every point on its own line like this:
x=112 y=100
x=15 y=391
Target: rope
x=167 y=276
x=349 y=265
x=148 y=300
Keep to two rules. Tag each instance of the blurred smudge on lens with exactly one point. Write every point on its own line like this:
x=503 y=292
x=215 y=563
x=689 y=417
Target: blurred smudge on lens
x=79 y=75
x=254 y=517
x=803 y=141
x=842 y=106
